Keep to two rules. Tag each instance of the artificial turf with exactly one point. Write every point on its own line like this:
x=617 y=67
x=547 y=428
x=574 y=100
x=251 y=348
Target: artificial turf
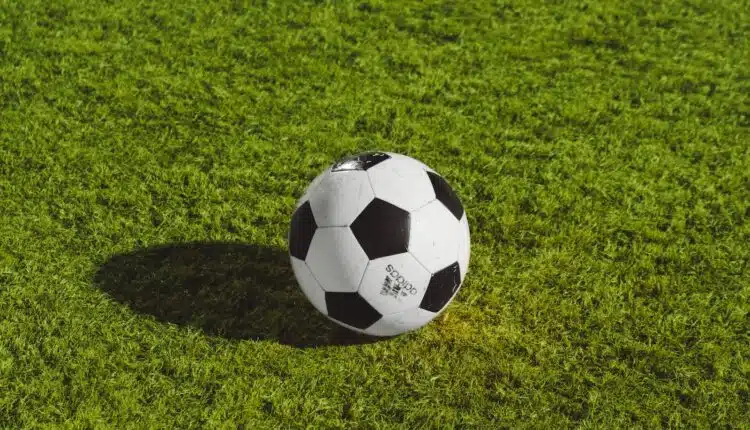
x=151 y=154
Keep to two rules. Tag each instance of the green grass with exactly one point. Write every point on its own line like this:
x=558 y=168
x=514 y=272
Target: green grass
x=151 y=155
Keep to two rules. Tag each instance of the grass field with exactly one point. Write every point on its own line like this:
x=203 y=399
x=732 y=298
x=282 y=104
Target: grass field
x=151 y=154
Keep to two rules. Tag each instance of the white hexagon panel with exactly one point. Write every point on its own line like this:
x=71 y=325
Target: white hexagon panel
x=409 y=160
x=309 y=285
x=402 y=183
x=400 y=322
x=339 y=197
x=464 y=246
x=394 y=283
x=434 y=236
x=336 y=259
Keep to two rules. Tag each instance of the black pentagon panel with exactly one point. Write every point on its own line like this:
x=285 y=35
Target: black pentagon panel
x=351 y=309
x=302 y=230
x=442 y=287
x=446 y=195
x=362 y=161
x=382 y=229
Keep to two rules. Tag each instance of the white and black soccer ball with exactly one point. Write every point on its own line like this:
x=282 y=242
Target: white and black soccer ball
x=379 y=243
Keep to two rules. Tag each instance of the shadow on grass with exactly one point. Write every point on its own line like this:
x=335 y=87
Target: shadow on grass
x=236 y=291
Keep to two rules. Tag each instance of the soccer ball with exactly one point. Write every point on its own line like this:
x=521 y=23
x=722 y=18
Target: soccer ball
x=379 y=243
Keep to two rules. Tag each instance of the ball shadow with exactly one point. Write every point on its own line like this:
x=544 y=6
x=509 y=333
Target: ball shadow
x=237 y=291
